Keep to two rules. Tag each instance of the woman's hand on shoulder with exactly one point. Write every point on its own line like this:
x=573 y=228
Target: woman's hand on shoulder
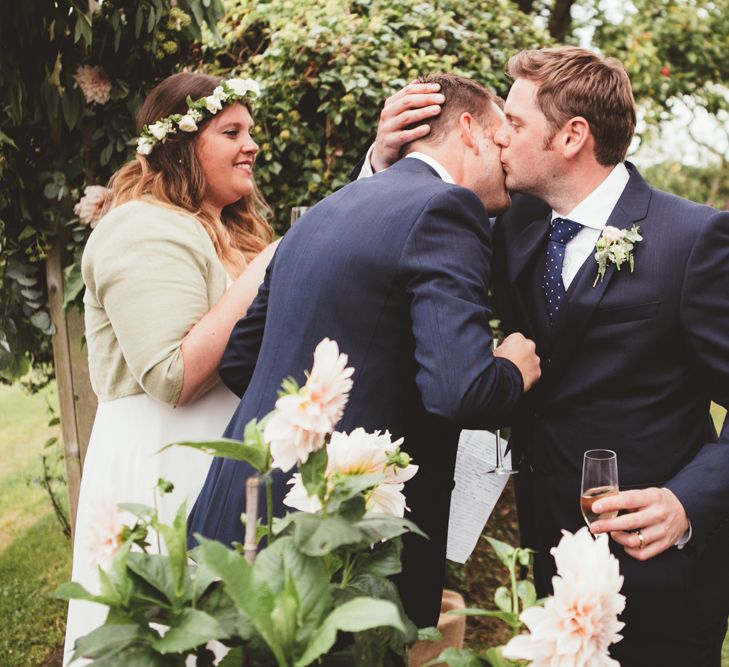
x=256 y=269
x=203 y=346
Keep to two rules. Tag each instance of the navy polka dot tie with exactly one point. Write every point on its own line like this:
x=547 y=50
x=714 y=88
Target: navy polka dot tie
x=561 y=232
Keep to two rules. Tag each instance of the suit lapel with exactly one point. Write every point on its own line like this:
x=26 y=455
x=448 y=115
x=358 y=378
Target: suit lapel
x=525 y=246
x=582 y=298
x=523 y=251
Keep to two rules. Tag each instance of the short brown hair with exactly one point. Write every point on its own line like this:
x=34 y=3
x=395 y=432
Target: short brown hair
x=576 y=82
x=172 y=175
x=461 y=95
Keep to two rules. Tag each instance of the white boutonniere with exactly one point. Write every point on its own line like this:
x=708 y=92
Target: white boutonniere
x=615 y=246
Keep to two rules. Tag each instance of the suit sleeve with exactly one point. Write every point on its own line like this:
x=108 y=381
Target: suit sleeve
x=703 y=485
x=241 y=352
x=445 y=265
x=500 y=288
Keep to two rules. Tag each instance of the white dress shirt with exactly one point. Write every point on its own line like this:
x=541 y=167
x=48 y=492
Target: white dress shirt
x=592 y=213
x=367 y=170
x=434 y=164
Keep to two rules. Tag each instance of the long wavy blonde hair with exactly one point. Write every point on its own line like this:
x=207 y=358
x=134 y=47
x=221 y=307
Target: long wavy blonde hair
x=172 y=175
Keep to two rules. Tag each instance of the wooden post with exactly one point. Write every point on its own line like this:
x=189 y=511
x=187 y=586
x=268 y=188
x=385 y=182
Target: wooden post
x=250 y=546
x=76 y=399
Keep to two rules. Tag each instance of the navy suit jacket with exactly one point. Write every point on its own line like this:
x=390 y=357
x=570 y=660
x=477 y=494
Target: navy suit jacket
x=395 y=268
x=632 y=365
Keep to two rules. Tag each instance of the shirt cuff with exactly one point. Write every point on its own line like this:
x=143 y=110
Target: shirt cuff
x=367 y=169
x=685 y=538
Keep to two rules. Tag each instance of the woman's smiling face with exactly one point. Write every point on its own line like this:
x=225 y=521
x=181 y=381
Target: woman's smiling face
x=226 y=152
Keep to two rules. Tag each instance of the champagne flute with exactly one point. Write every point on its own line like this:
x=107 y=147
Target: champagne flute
x=599 y=479
x=499 y=469
x=297 y=212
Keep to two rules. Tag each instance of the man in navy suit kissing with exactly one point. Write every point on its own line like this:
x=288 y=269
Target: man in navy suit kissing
x=395 y=268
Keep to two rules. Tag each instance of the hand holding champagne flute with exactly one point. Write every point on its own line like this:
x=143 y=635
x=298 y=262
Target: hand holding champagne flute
x=599 y=479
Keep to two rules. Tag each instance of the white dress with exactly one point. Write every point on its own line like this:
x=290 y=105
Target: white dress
x=151 y=274
x=123 y=465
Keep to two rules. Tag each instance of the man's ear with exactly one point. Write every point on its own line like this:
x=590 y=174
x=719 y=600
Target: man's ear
x=573 y=136
x=468 y=127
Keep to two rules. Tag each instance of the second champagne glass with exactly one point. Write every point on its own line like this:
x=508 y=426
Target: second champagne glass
x=599 y=479
x=297 y=212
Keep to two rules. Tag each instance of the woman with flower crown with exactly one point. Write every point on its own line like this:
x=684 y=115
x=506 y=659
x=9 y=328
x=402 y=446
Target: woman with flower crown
x=168 y=271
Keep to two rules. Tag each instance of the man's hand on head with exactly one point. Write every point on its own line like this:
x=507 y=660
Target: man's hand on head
x=655 y=520
x=412 y=104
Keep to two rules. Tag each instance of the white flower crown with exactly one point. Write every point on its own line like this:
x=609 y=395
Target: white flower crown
x=231 y=90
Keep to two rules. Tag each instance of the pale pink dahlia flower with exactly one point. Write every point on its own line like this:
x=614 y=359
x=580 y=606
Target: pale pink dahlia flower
x=301 y=421
x=360 y=453
x=94 y=83
x=579 y=622
x=92 y=205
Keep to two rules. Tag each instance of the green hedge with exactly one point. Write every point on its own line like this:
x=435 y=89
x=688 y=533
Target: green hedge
x=327 y=67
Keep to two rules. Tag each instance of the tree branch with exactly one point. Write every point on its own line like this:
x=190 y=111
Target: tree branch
x=700 y=142
x=58 y=510
x=560 y=19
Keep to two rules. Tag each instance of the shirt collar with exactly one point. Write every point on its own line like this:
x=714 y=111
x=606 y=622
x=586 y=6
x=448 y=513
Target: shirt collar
x=595 y=209
x=432 y=162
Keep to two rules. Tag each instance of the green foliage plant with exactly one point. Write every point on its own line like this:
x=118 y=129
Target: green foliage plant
x=671 y=49
x=322 y=575
x=326 y=67
x=54 y=138
x=509 y=601
x=708 y=184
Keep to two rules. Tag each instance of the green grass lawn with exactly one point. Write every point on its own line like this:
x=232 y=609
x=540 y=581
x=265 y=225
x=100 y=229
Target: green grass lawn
x=34 y=555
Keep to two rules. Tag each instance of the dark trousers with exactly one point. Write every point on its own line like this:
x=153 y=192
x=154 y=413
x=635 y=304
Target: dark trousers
x=671 y=649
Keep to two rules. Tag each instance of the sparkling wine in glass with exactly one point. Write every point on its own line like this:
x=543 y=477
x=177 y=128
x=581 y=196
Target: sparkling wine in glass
x=599 y=479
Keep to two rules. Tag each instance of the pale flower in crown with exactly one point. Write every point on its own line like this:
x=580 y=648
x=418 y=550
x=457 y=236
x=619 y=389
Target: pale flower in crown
x=187 y=123
x=160 y=129
x=213 y=104
x=244 y=86
x=145 y=146
x=220 y=94
x=232 y=90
